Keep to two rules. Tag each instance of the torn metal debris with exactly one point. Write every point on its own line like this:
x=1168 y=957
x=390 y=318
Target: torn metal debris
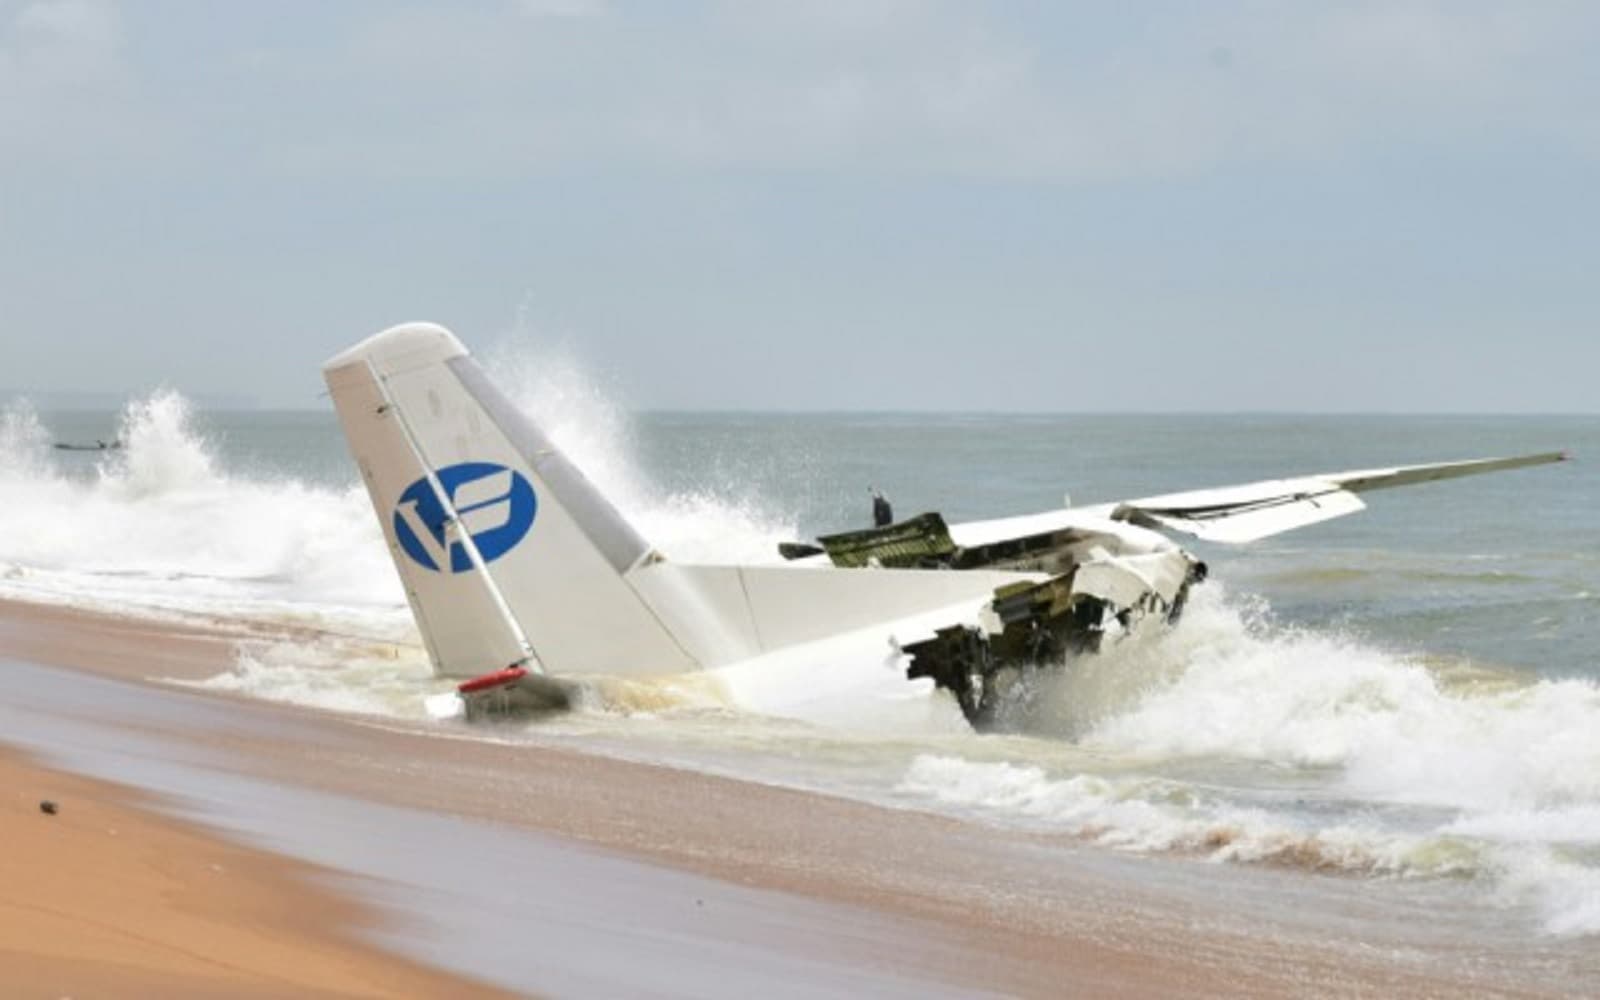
x=1102 y=584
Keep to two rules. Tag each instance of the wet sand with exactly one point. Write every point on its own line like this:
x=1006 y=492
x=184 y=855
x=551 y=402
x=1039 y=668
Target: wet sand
x=709 y=884
x=104 y=897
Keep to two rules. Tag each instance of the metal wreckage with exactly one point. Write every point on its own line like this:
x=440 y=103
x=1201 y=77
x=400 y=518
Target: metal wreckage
x=1101 y=585
x=520 y=572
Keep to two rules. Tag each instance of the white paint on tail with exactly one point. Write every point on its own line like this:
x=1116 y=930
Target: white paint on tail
x=446 y=459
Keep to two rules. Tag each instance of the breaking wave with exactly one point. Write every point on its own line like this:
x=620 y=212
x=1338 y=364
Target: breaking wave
x=160 y=525
x=24 y=441
x=1314 y=750
x=339 y=675
x=719 y=521
x=167 y=526
x=1160 y=814
x=1393 y=728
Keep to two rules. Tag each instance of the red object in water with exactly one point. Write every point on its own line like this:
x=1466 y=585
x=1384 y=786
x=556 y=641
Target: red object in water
x=496 y=679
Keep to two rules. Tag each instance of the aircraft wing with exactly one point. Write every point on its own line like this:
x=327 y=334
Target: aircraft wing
x=1256 y=510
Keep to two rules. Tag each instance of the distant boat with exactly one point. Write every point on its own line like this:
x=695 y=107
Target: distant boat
x=111 y=445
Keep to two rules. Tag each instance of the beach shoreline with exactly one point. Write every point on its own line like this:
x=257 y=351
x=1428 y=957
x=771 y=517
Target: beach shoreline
x=887 y=896
x=106 y=895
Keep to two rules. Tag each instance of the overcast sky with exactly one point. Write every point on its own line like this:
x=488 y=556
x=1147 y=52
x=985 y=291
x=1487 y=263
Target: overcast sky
x=872 y=204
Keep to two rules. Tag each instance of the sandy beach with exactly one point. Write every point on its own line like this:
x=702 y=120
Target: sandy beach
x=104 y=896
x=539 y=869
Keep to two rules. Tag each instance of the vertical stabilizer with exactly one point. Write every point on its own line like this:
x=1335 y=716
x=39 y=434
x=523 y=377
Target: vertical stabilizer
x=501 y=543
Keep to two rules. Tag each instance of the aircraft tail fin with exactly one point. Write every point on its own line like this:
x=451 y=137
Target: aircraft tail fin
x=506 y=551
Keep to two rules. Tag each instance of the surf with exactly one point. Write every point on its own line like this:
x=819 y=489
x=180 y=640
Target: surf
x=1236 y=737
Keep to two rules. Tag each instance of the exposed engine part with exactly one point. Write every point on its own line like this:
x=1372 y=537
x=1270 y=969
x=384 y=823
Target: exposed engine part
x=922 y=542
x=1101 y=583
x=1040 y=626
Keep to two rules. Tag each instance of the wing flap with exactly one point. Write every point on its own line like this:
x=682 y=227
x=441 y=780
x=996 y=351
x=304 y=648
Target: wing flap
x=1256 y=510
x=1237 y=514
x=1244 y=520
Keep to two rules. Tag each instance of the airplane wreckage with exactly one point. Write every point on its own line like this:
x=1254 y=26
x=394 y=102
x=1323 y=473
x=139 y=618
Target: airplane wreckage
x=518 y=571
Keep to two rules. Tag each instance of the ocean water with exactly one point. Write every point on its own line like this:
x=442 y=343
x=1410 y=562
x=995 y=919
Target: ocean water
x=1410 y=695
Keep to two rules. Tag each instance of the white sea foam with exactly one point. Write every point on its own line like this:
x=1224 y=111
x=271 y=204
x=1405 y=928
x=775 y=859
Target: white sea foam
x=1153 y=814
x=1396 y=732
x=337 y=675
x=160 y=526
x=1576 y=825
x=1565 y=893
x=24 y=441
x=715 y=522
x=1493 y=780
x=1159 y=814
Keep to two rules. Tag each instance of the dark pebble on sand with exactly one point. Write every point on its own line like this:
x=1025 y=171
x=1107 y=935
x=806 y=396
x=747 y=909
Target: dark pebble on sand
x=47 y=807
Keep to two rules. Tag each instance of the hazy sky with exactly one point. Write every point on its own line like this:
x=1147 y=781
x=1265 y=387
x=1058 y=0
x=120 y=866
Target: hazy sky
x=853 y=205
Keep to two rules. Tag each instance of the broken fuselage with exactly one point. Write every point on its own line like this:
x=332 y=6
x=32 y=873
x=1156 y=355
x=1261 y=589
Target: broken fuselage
x=1102 y=581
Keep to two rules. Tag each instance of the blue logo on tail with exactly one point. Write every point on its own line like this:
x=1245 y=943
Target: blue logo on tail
x=496 y=506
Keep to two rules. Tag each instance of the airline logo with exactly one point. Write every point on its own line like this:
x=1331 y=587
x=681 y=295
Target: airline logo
x=496 y=506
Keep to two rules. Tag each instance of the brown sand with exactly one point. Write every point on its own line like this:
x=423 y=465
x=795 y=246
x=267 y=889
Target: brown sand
x=1000 y=914
x=105 y=898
